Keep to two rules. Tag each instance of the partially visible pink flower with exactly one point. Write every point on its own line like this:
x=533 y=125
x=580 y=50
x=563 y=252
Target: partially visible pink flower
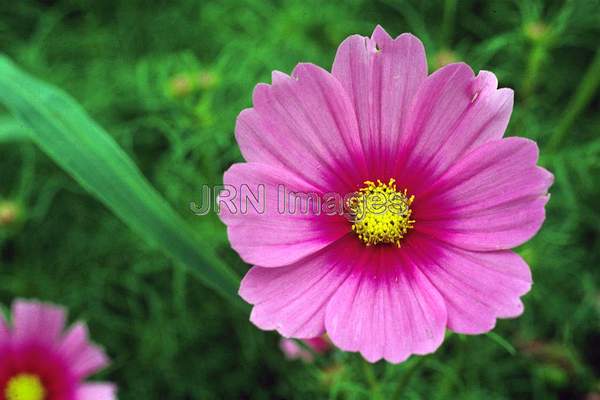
x=293 y=350
x=385 y=283
x=319 y=345
x=38 y=361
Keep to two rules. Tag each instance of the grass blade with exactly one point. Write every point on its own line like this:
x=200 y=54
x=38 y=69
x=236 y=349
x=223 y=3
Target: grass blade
x=505 y=344
x=11 y=130
x=84 y=150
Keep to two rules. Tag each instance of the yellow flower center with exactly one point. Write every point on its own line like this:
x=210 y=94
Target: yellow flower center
x=25 y=387
x=380 y=213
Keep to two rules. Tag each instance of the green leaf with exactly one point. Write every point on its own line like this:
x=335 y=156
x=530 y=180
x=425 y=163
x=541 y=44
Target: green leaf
x=11 y=130
x=64 y=131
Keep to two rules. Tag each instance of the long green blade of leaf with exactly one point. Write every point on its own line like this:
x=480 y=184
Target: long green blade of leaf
x=83 y=149
x=11 y=130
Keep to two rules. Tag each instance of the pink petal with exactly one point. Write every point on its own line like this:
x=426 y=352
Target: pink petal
x=292 y=299
x=292 y=350
x=274 y=237
x=306 y=125
x=478 y=287
x=387 y=310
x=96 y=391
x=381 y=75
x=37 y=322
x=453 y=113
x=83 y=357
x=319 y=344
x=492 y=199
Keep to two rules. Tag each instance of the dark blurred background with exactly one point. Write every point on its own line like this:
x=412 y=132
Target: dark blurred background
x=167 y=79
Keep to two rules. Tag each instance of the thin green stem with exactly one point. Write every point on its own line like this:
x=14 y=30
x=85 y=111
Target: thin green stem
x=448 y=22
x=578 y=102
x=534 y=64
x=25 y=185
x=372 y=380
x=406 y=377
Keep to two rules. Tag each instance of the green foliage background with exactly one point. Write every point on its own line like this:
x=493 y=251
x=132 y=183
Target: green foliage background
x=167 y=80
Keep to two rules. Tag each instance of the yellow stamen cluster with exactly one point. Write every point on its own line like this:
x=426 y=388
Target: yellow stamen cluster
x=380 y=213
x=25 y=387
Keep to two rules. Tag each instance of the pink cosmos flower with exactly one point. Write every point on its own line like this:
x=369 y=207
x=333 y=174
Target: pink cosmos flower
x=40 y=362
x=292 y=350
x=385 y=283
